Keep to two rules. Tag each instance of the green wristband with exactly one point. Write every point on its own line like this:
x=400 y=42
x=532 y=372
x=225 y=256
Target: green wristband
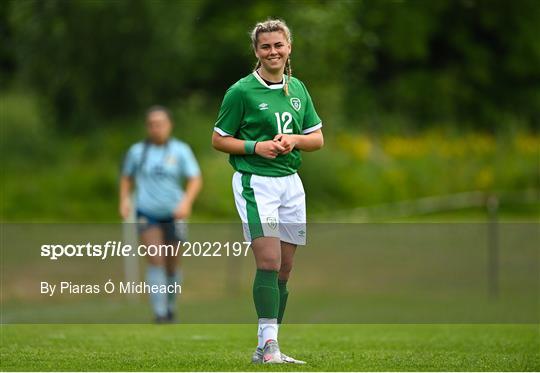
x=249 y=146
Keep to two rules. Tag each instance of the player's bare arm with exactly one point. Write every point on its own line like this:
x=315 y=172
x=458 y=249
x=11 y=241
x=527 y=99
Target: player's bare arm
x=126 y=186
x=268 y=149
x=193 y=187
x=310 y=142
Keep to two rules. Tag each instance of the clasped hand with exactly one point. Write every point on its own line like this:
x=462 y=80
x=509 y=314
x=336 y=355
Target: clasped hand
x=281 y=144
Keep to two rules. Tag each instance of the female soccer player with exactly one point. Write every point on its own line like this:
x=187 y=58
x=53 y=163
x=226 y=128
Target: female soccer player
x=157 y=167
x=265 y=120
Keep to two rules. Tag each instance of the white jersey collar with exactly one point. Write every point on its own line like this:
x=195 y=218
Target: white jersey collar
x=273 y=86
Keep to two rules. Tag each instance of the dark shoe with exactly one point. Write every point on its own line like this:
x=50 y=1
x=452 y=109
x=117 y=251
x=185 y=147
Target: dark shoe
x=171 y=317
x=161 y=320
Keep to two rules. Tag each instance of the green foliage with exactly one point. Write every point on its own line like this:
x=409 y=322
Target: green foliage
x=363 y=170
x=52 y=176
x=408 y=92
x=466 y=62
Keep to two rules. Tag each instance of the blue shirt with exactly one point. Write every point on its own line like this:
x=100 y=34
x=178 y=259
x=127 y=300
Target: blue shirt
x=159 y=176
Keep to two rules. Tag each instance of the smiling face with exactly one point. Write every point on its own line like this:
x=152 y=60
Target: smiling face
x=272 y=51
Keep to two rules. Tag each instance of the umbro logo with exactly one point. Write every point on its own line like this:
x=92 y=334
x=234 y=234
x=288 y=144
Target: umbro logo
x=263 y=106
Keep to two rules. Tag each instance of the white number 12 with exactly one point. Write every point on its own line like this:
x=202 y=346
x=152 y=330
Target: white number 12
x=286 y=118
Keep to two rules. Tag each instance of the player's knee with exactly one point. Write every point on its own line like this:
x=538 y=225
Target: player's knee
x=269 y=265
x=156 y=261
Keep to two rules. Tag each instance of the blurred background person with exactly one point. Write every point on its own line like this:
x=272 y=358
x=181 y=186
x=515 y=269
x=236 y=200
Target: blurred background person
x=156 y=169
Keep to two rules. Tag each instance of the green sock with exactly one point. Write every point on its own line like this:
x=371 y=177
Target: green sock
x=266 y=294
x=283 y=295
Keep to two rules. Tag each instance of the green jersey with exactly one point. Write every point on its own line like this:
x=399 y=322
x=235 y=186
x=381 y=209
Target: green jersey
x=253 y=110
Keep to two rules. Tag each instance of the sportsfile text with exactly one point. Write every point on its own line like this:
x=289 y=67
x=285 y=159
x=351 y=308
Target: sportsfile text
x=119 y=249
x=107 y=250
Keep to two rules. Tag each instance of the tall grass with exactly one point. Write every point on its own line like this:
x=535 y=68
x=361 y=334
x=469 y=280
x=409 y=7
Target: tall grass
x=51 y=176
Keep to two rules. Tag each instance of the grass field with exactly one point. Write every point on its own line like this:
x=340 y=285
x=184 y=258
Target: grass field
x=397 y=297
x=228 y=347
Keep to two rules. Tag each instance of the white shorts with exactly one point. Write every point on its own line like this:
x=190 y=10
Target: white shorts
x=271 y=206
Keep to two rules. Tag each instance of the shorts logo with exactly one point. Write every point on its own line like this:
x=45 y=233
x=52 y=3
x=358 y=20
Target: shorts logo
x=301 y=233
x=263 y=106
x=272 y=222
x=296 y=103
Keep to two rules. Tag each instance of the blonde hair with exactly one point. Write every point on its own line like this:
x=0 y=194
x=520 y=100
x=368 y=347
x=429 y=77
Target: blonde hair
x=273 y=25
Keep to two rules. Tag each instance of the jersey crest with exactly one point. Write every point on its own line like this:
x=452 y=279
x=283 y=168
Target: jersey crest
x=296 y=103
x=272 y=222
x=170 y=160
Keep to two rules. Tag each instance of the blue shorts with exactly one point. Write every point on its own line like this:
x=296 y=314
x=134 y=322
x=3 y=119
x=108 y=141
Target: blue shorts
x=172 y=230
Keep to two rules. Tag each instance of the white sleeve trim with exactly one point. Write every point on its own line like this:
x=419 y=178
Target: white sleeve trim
x=312 y=129
x=221 y=132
